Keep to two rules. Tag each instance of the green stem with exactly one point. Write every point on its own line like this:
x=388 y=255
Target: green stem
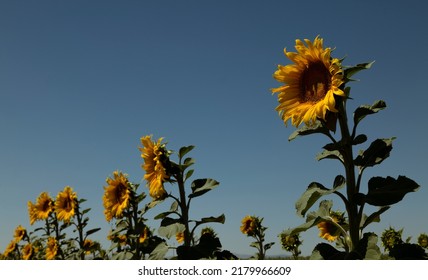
x=80 y=230
x=351 y=190
x=184 y=209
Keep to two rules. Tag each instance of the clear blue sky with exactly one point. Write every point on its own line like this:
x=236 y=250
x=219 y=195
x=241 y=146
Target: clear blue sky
x=82 y=81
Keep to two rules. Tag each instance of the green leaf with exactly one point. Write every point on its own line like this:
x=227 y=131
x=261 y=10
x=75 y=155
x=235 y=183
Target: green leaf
x=201 y=186
x=159 y=252
x=314 y=192
x=188 y=174
x=359 y=139
x=184 y=150
x=364 y=110
x=91 y=231
x=170 y=227
x=306 y=130
x=388 y=191
x=174 y=206
x=220 y=219
x=187 y=162
x=351 y=71
x=377 y=152
x=372 y=251
x=374 y=217
x=329 y=154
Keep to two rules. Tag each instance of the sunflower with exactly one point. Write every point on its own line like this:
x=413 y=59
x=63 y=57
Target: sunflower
x=10 y=248
x=249 y=224
x=180 y=237
x=20 y=233
x=153 y=154
x=27 y=251
x=51 y=248
x=311 y=83
x=116 y=196
x=42 y=208
x=144 y=235
x=65 y=204
x=88 y=246
x=328 y=230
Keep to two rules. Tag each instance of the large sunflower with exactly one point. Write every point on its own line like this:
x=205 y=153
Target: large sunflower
x=41 y=209
x=65 y=204
x=311 y=83
x=156 y=174
x=116 y=196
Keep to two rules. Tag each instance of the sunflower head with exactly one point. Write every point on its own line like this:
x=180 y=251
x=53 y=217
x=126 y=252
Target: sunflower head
x=145 y=234
x=290 y=242
x=20 y=233
x=41 y=209
x=328 y=230
x=311 y=84
x=180 y=237
x=11 y=247
x=88 y=246
x=391 y=237
x=27 y=251
x=51 y=248
x=249 y=225
x=155 y=157
x=65 y=204
x=117 y=195
x=423 y=240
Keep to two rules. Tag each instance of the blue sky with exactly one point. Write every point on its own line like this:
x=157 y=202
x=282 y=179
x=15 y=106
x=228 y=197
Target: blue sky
x=82 y=81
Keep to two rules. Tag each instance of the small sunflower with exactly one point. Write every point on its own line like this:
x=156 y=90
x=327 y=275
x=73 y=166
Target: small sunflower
x=20 y=233
x=249 y=224
x=65 y=204
x=88 y=246
x=41 y=209
x=154 y=154
x=180 y=237
x=328 y=230
x=10 y=248
x=312 y=83
x=51 y=248
x=27 y=251
x=116 y=196
x=144 y=235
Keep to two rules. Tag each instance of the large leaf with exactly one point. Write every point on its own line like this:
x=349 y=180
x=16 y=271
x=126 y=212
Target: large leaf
x=388 y=191
x=364 y=110
x=306 y=130
x=159 y=252
x=314 y=192
x=220 y=219
x=201 y=186
x=170 y=227
x=377 y=152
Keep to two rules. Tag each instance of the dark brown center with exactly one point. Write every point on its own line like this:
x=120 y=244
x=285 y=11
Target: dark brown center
x=315 y=82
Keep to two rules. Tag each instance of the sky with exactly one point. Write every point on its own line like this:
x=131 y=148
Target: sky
x=82 y=81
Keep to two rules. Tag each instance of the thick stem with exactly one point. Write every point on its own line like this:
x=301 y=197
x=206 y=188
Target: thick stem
x=351 y=190
x=184 y=210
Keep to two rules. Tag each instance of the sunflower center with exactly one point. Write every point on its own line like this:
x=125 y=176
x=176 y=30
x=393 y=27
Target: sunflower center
x=315 y=82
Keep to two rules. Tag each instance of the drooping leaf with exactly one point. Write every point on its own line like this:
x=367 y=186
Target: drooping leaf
x=388 y=191
x=330 y=154
x=306 y=130
x=314 y=192
x=351 y=71
x=201 y=186
x=374 y=217
x=364 y=110
x=377 y=152
x=159 y=251
x=220 y=219
x=91 y=231
x=170 y=227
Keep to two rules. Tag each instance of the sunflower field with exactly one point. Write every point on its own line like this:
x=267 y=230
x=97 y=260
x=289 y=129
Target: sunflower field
x=313 y=94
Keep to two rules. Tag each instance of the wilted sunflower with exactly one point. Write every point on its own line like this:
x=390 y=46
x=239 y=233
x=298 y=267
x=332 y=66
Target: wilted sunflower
x=65 y=204
x=27 y=251
x=51 y=248
x=156 y=174
x=249 y=224
x=20 y=233
x=311 y=83
x=42 y=208
x=116 y=196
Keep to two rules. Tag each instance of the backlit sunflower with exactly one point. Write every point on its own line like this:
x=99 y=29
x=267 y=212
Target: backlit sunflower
x=311 y=83
x=42 y=208
x=65 y=204
x=116 y=196
x=249 y=224
x=27 y=251
x=153 y=154
x=328 y=230
x=20 y=233
x=51 y=248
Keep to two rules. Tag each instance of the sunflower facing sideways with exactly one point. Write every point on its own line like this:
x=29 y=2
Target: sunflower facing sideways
x=41 y=209
x=153 y=154
x=311 y=83
x=116 y=196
